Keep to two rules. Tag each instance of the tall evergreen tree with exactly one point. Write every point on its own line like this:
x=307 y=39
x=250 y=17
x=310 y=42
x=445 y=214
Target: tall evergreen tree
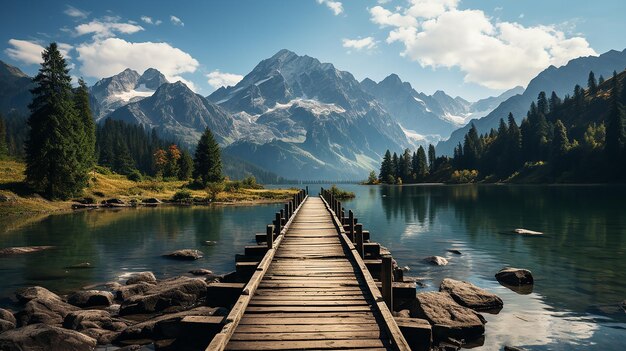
x=386 y=169
x=601 y=80
x=560 y=143
x=422 y=166
x=472 y=148
x=207 y=162
x=592 y=84
x=395 y=163
x=88 y=142
x=405 y=167
x=54 y=162
x=514 y=145
x=615 y=137
x=4 y=150
x=431 y=158
x=185 y=166
x=554 y=102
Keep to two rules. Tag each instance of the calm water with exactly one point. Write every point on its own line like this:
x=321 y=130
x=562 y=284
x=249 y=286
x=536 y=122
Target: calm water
x=579 y=264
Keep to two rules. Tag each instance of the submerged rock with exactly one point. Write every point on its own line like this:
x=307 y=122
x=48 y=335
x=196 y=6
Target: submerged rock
x=90 y=298
x=448 y=318
x=82 y=265
x=209 y=243
x=22 y=250
x=186 y=254
x=166 y=326
x=523 y=231
x=34 y=292
x=515 y=276
x=454 y=251
x=44 y=337
x=176 y=292
x=436 y=260
x=469 y=295
x=147 y=277
x=201 y=271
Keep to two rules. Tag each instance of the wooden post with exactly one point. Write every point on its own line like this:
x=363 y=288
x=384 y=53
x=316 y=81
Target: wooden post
x=307 y=190
x=386 y=276
x=270 y=236
x=359 y=239
x=287 y=214
x=338 y=212
x=277 y=223
x=351 y=224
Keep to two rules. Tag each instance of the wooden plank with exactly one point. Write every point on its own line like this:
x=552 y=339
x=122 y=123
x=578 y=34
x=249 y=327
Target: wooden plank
x=329 y=335
x=307 y=328
x=254 y=309
x=260 y=302
x=304 y=345
x=248 y=320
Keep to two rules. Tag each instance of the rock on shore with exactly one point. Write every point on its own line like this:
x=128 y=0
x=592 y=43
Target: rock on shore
x=178 y=292
x=186 y=254
x=90 y=298
x=469 y=295
x=45 y=337
x=449 y=319
x=22 y=250
x=147 y=277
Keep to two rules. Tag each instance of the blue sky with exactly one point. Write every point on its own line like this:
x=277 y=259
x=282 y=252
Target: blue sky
x=469 y=48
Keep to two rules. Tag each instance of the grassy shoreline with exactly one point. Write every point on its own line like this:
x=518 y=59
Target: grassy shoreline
x=17 y=201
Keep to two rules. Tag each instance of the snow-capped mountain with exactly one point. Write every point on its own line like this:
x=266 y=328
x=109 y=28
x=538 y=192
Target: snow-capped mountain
x=560 y=80
x=428 y=118
x=15 y=88
x=308 y=120
x=176 y=112
x=125 y=87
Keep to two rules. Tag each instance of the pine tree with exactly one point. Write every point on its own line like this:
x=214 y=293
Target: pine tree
x=615 y=137
x=405 y=167
x=54 y=162
x=4 y=150
x=123 y=162
x=185 y=166
x=592 y=85
x=422 y=166
x=386 y=168
x=472 y=148
x=601 y=80
x=88 y=143
x=371 y=178
x=560 y=143
x=431 y=158
x=514 y=145
x=542 y=103
x=395 y=164
x=554 y=102
x=207 y=162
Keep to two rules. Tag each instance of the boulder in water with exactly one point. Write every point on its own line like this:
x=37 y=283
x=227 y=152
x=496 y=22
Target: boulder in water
x=125 y=292
x=522 y=231
x=90 y=298
x=454 y=251
x=515 y=276
x=82 y=265
x=209 y=243
x=201 y=271
x=45 y=337
x=147 y=277
x=22 y=250
x=448 y=318
x=436 y=260
x=469 y=295
x=186 y=254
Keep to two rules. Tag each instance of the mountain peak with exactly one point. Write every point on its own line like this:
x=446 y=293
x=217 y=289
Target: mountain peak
x=392 y=79
x=283 y=55
x=152 y=79
x=7 y=70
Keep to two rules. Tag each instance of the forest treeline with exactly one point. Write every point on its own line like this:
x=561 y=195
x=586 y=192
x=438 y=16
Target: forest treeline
x=577 y=138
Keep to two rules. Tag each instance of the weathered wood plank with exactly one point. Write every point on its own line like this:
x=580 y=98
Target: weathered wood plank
x=329 y=335
x=304 y=345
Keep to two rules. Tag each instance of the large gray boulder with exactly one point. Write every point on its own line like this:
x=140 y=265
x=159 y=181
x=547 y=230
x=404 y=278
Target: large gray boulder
x=166 y=326
x=448 y=318
x=515 y=276
x=436 y=260
x=125 y=292
x=97 y=324
x=44 y=310
x=180 y=292
x=186 y=254
x=34 y=292
x=41 y=337
x=6 y=325
x=469 y=295
x=146 y=277
x=7 y=320
x=90 y=298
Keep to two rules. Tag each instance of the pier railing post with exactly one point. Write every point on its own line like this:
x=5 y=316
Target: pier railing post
x=269 y=236
x=386 y=278
x=287 y=214
x=351 y=224
x=307 y=190
x=277 y=223
x=359 y=239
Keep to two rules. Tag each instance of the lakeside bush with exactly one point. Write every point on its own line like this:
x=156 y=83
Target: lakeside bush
x=464 y=176
x=183 y=195
x=341 y=194
x=135 y=176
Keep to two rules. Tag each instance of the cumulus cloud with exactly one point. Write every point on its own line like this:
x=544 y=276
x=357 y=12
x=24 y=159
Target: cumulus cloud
x=29 y=52
x=74 y=12
x=110 y=56
x=106 y=28
x=367 y=43
x=219 y=79
x=491 y=53
x=176 y=21
x=150 y=20
x=335 y=6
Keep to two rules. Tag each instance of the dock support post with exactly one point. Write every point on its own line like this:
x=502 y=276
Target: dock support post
x=307 y=190
x=351 y=224
x=359 y=239
x=277 y=223
x=287 y=214
x=386 y=277
x=270 y=236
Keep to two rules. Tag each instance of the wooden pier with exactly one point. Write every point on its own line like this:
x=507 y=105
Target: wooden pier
x=310 y=287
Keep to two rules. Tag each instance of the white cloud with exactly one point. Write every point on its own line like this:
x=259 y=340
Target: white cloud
x=150 y=20
x=491 y=53
x=74 y=12
x=367 y=43
x=106 y=28
x=29 y=52
x=176 y=21
x=382 y=2
x=110 y=56
x=335 y=6
x=219 y=79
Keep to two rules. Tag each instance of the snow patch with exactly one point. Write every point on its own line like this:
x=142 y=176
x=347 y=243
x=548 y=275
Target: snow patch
x=316 y=107
x=140 y=92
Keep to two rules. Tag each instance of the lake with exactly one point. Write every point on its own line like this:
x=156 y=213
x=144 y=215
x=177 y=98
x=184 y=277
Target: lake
x=579 y=264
